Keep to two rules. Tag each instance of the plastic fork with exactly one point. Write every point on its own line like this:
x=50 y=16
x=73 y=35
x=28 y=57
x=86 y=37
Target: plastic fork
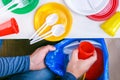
x=20 y=4
x=9 y=4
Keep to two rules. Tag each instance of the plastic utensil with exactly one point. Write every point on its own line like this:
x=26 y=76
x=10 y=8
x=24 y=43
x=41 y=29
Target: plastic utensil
x=57 y=30
x=63 y=13
x=107 y=12
x=50 y=20
x=8 y=5
x=112 y=25
x=86 y=7
x=31 y=6
x=9 y=27
x=19 y=4
x=86 y=49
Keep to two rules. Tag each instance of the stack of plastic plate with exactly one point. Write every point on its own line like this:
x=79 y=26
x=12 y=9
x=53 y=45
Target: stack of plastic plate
x=107 y=12
x=86 y=7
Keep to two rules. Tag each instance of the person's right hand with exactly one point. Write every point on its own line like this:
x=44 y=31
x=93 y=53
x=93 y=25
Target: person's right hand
x=37 y=58
x=78 y=66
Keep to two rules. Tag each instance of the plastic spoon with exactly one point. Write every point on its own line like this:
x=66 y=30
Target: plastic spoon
x=57 y=30
x=50 y=20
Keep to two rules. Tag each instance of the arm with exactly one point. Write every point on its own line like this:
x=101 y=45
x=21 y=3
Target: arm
x=68 y=76
x=12 y=65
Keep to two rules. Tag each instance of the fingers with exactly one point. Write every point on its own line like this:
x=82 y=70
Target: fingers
x=75 y=55
x=47 y=48
x=50 y=48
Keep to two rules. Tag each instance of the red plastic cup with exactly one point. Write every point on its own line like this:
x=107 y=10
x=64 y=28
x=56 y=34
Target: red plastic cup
x=86 y=50
x=9 y=27
x=97 y=68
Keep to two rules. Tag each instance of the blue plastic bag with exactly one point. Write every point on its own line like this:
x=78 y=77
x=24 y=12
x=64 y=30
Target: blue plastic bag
x=57 y=60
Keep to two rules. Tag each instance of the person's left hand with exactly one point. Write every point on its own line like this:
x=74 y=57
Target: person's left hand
x=37 y=58
x=78 y=66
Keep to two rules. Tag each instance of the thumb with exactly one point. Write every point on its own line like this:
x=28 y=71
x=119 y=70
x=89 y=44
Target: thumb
x=50 y=48
x=75 y=55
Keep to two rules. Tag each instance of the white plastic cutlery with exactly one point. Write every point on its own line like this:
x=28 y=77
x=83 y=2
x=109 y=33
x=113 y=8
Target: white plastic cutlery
x=19 y=4
x=57 y=30
x=8 y=5
x=50 y=20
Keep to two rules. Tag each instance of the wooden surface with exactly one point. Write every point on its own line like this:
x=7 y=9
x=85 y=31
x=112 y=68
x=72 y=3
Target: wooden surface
x=19 y=47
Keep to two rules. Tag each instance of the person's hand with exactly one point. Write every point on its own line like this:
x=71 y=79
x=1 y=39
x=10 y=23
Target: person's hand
x=78 y=66
x=37 y=58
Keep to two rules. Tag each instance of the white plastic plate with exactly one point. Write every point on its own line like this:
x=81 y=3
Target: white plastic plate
x=86 y=7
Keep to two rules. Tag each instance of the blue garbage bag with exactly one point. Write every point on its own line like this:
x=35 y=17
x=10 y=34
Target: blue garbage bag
x=57 y=60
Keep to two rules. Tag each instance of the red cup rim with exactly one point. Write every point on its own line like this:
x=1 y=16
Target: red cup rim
x=111 y=9
x=14 y=25
x=90 y=45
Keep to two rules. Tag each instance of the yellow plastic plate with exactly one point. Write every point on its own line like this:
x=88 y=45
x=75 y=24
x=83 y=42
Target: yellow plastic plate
x=64 y=15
